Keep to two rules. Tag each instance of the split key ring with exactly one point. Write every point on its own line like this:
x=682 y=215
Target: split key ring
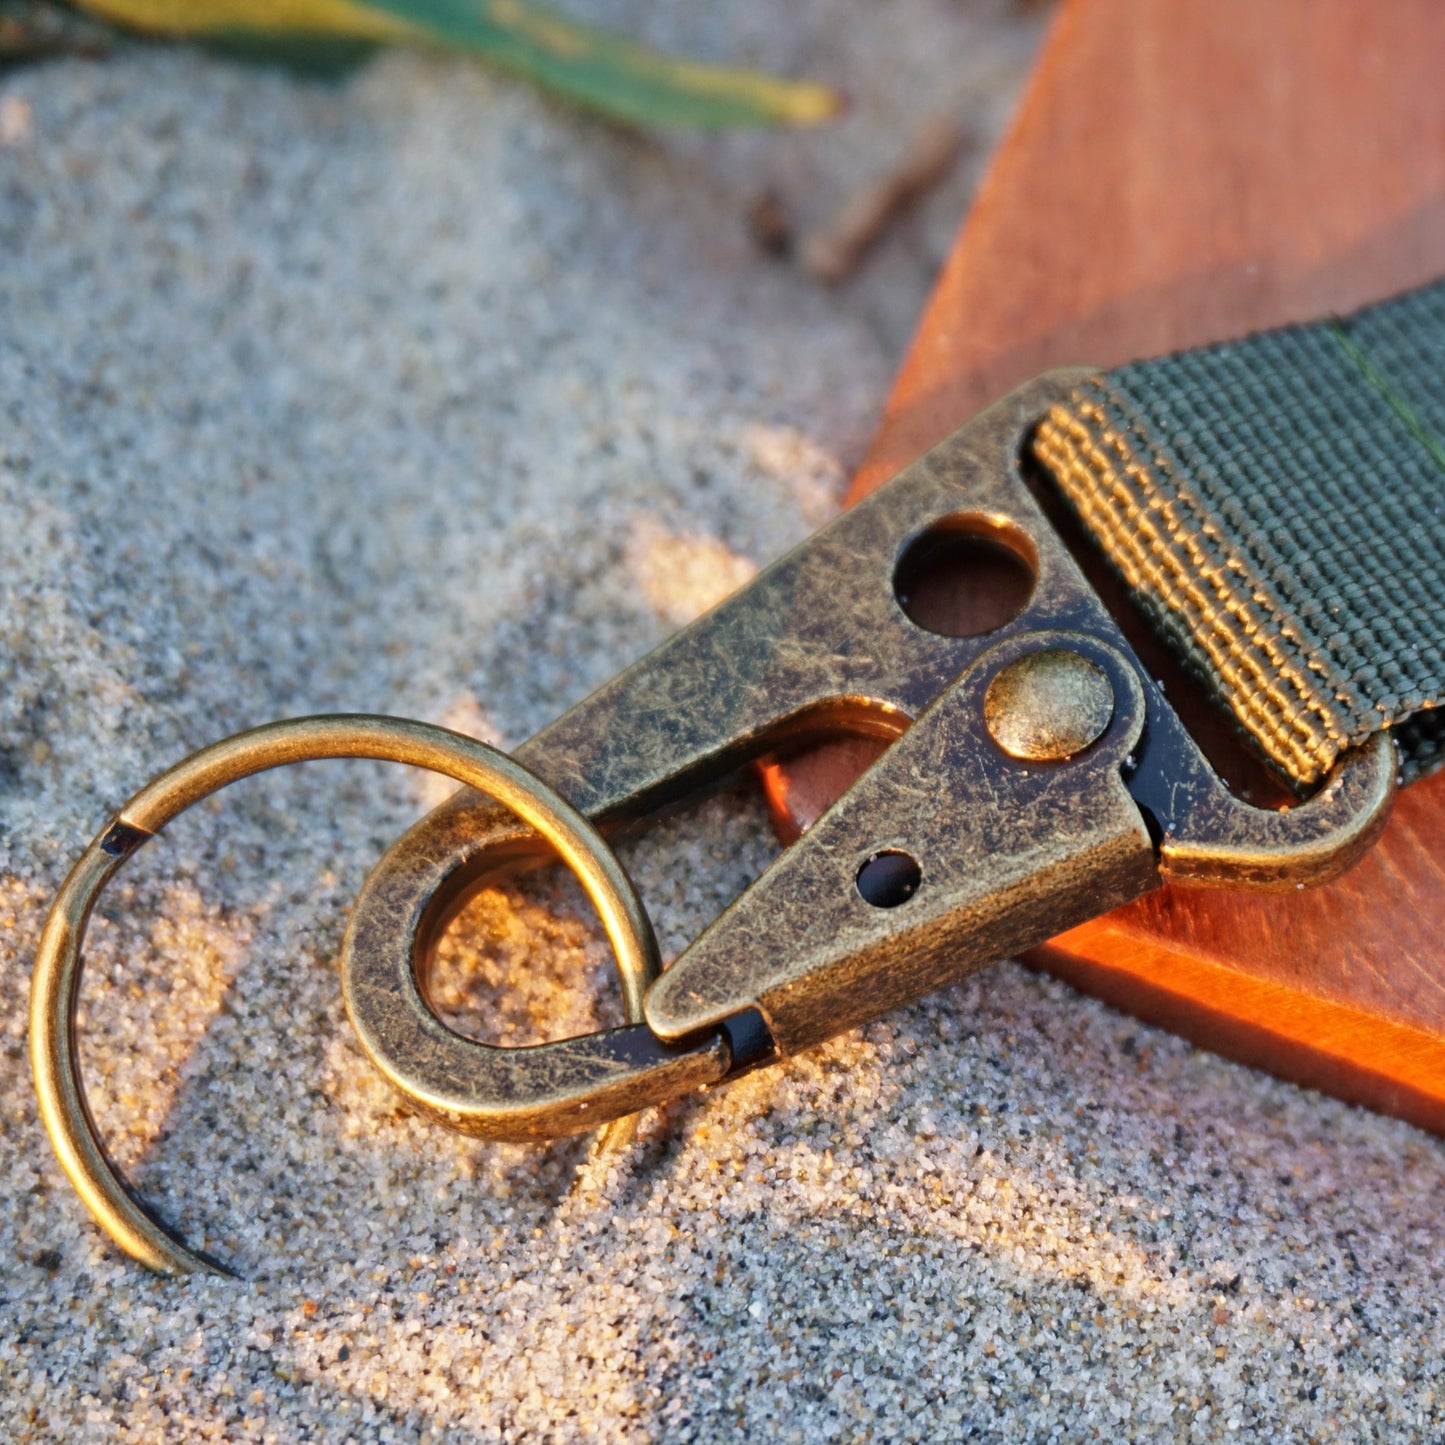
x=584 y=1082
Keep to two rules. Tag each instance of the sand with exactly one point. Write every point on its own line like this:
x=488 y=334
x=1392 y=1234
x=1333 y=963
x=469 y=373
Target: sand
x=423 y=394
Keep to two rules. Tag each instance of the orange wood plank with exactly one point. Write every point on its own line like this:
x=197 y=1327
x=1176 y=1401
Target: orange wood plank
x=1180 y=174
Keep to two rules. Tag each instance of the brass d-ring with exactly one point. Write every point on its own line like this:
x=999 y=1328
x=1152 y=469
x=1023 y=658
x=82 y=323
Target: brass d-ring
x=527 y=1075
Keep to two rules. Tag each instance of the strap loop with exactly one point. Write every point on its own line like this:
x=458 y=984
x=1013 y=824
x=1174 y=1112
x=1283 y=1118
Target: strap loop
x=1274 y=505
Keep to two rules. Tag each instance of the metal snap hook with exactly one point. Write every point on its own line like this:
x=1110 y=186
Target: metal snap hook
x=520 y=1079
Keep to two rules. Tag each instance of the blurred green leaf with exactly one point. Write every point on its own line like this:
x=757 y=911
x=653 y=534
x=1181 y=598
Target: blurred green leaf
x=580 y=61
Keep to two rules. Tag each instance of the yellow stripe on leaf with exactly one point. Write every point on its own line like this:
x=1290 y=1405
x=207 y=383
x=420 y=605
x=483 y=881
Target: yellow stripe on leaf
x=586 y=64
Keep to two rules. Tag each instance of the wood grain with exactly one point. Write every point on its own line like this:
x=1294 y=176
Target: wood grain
x=1180 y=174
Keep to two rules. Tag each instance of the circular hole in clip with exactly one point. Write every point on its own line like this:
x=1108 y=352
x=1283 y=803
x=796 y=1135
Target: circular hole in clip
x=965 y=575
x=889 y=878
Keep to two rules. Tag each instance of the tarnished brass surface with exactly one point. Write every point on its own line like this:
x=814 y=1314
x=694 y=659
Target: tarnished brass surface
x=1222 y=842
x=1009 y=849
x=1048 y=705
x=1010 y=852
x=592 y=1078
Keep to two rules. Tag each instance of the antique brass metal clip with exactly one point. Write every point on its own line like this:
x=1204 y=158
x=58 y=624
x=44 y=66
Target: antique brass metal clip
x=1036 y=778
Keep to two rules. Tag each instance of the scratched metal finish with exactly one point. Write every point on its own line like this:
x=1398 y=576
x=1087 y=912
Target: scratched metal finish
x=1227 y=843
x=567 y=1086
x=1011 y=852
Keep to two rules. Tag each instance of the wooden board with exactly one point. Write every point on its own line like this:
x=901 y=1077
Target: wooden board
x=1178 y=174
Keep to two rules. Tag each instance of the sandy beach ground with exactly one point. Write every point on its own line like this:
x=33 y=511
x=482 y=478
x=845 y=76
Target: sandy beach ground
x=420 y=393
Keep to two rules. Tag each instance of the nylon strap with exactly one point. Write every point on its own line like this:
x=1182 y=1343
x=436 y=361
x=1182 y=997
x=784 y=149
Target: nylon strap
x=1276 y=507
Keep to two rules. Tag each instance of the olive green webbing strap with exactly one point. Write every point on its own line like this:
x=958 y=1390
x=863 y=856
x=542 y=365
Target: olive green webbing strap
x=1277 y=508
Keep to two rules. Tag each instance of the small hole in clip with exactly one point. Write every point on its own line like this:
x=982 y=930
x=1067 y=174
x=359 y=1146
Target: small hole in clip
x=965 y=575
x=889 y=878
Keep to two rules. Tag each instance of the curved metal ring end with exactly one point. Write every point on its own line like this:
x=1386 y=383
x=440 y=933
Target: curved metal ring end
x=1231 y=844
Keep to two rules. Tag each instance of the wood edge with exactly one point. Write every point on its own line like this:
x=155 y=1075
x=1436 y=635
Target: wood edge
x=1310 y=1040
x=1338 y=1048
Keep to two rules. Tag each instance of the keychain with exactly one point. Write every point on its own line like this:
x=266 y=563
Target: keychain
x=1036 y=775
